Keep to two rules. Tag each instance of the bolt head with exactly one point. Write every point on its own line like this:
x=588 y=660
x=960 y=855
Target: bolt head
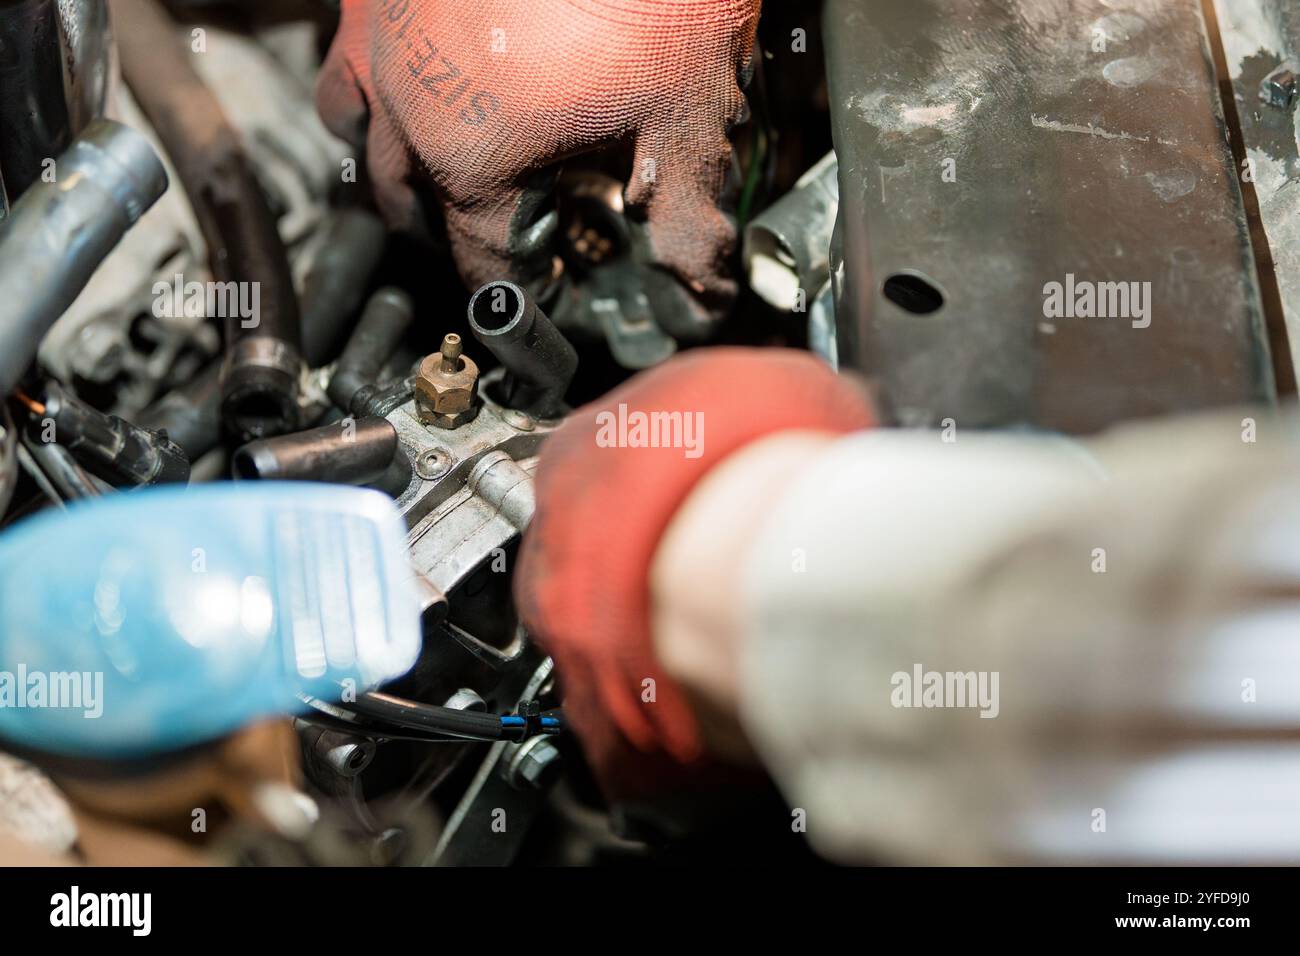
x=446 y=399
x=537 y=765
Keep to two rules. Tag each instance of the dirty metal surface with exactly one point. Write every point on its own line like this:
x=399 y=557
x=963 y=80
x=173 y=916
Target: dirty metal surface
x=992 y=147
x=1258 y=37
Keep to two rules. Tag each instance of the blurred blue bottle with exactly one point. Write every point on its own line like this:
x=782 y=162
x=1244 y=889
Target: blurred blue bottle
x=150 y=621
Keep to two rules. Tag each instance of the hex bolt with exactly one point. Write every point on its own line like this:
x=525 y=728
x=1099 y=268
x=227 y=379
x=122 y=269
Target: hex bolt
x=446 y=386
x=534 y=765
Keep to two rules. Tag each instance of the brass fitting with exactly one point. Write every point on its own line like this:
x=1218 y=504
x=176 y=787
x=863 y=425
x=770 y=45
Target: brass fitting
x=446 y=386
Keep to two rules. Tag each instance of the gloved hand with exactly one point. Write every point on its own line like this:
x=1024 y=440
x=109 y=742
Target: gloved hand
x=582 y=584
x=483 y=98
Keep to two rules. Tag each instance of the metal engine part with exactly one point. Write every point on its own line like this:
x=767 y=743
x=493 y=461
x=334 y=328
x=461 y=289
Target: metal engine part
x=788 y=245
x=1261 y=45
x=985 y=155
x=469 y=498
x=788 y=253
x=87 y=55
x=466 y=498
x=119 y=333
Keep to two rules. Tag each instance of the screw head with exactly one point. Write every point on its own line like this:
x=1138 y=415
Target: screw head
x=433 y=463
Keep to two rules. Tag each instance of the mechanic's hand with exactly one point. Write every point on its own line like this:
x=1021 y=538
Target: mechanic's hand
x=485 y=97
x=603 y=505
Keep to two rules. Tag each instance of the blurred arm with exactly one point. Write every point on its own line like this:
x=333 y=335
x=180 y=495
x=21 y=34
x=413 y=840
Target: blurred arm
x=1135 y=598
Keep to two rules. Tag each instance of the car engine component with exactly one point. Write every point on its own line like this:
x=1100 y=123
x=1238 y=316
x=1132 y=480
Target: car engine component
x=1101 y=167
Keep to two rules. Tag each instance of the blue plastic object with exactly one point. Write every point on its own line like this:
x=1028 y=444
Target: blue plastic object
x=152 y=620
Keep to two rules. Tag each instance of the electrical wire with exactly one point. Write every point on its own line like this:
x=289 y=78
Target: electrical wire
x=378 y=714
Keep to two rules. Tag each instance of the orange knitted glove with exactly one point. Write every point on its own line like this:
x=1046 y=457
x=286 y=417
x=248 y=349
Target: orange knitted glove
x=483 y=98
x=583 y=581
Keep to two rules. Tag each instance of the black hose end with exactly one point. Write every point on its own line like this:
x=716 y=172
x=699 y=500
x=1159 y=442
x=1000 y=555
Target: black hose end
x=254 y=461
x=539 y=361
x=501 y=311
x=260 y=389
x=350 y=452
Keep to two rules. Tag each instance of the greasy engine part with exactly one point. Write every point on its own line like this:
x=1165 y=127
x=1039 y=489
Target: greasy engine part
x=787 y=254
x=998 y=177
x=354 y=386
x=788 y=246
x=483 y=466
x=120 y=453
x=34 y=122
x=446 y=386
x=1261 y=48
x=467 y=500
x=59 y=232
x=609 y=287
x=538 y=359
x=350 y=452
x=510 y=779
x=86 y=58
x=263 y=361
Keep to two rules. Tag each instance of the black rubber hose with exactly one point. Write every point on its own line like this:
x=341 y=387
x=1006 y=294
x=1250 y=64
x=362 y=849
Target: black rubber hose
x=263 y=352
x=35 y=125
x=350 y=452
x=427 y=717
x=190 y=414
x=383 y=325
x=59 y=233
x=351 y=248
x=539 y=361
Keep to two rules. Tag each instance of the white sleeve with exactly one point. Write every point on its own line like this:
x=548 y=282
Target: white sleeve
x=1024 y=648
